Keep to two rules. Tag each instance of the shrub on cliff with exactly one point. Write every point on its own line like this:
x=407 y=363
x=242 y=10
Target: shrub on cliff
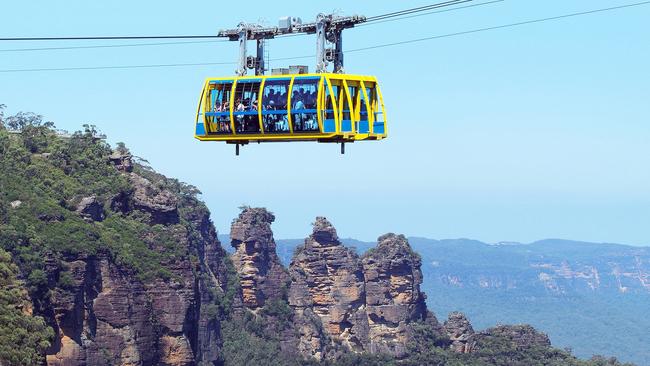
x=23 y=338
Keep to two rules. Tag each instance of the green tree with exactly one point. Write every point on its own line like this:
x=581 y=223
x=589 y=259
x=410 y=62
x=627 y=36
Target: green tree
x=2 y=115
x=23 y=338
x=35 y=133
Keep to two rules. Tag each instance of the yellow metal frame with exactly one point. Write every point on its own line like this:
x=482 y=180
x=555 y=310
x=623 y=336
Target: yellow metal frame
x=373 y=105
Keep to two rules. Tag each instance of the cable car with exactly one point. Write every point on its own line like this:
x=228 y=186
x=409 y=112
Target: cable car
x=300 y=107
x=291 y=104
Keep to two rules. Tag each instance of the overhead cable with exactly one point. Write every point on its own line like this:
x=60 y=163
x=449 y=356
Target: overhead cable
x=351 y=50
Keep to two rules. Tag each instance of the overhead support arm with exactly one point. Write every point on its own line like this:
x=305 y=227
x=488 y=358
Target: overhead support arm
x=321 y=29
x=338 y=51
x=327 y=27
x=242 y=36
x=259 y=61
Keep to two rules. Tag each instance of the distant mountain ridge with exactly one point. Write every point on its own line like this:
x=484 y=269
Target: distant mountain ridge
x=591 y=297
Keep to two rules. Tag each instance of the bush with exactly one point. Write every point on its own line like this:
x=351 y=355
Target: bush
x=23 y=338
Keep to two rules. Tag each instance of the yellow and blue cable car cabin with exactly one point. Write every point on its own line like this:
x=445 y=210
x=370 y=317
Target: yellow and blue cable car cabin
x=291 y=104
x=323 y=107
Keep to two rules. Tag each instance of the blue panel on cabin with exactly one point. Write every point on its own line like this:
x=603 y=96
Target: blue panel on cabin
x=346 y=125
x=220 y=81
x=218 y=114
x=329 y=125
x=378 y=127
x=364 y=127
x=311 y=78
x=200 y=129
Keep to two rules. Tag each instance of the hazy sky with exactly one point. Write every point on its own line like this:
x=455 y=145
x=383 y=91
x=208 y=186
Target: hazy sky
x=513 y=134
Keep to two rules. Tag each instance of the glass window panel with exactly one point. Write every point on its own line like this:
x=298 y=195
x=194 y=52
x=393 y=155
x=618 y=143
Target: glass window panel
x=245 y=107
x=219 y=116
x=274 y=106
x=304 y=98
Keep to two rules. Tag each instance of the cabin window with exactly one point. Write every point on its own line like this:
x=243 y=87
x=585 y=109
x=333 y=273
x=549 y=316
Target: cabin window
x=304 y=99
x=245 y=109
x=362 y=124
x=274 y=106
x=344 y=110
x=218 y=116
x=379 y=127
x=329 y=120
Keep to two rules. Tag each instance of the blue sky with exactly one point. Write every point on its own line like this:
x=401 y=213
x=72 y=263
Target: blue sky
x=515 y=134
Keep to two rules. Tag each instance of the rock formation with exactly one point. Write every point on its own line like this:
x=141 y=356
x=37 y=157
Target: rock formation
x=364 y=304
x=393 y=296
x=161 y=205
x=91 y=209
x=106 y=313
x=460 y=332
x=521 y=336
x=327 y=293
x=122 y=161
x=262 y=276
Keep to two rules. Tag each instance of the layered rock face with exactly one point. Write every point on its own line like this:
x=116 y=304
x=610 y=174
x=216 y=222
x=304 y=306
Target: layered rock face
x=106 y=314
x=364 y=304
x=460 y=332
x=393 y=296
x=262 y=276
x=327 y=294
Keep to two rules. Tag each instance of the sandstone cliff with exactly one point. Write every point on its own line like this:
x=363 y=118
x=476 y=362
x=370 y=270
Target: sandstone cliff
x=460 y=332
x=363 y=304
x=108 y=313
x=393 y=297
x=327 y=294
x=262 y=277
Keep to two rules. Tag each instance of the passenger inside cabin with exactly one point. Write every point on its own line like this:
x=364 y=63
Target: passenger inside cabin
x=271 y=96
x=314 y=98
x=282 y=100
x=298 y=101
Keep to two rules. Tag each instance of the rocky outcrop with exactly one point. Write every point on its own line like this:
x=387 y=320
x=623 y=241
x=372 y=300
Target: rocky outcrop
x=106 y=315
x=161 y=205
x=327 y=294
x=363 y=304
x=460 y=332
x=122 y=160
x=90 y=209
x=262 y=276
x=520 y=336
x=393 y=296
x=105 y=312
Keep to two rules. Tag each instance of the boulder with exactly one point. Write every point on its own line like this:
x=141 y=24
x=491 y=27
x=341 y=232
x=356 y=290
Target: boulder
x=122 y=161
x=90 y=209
